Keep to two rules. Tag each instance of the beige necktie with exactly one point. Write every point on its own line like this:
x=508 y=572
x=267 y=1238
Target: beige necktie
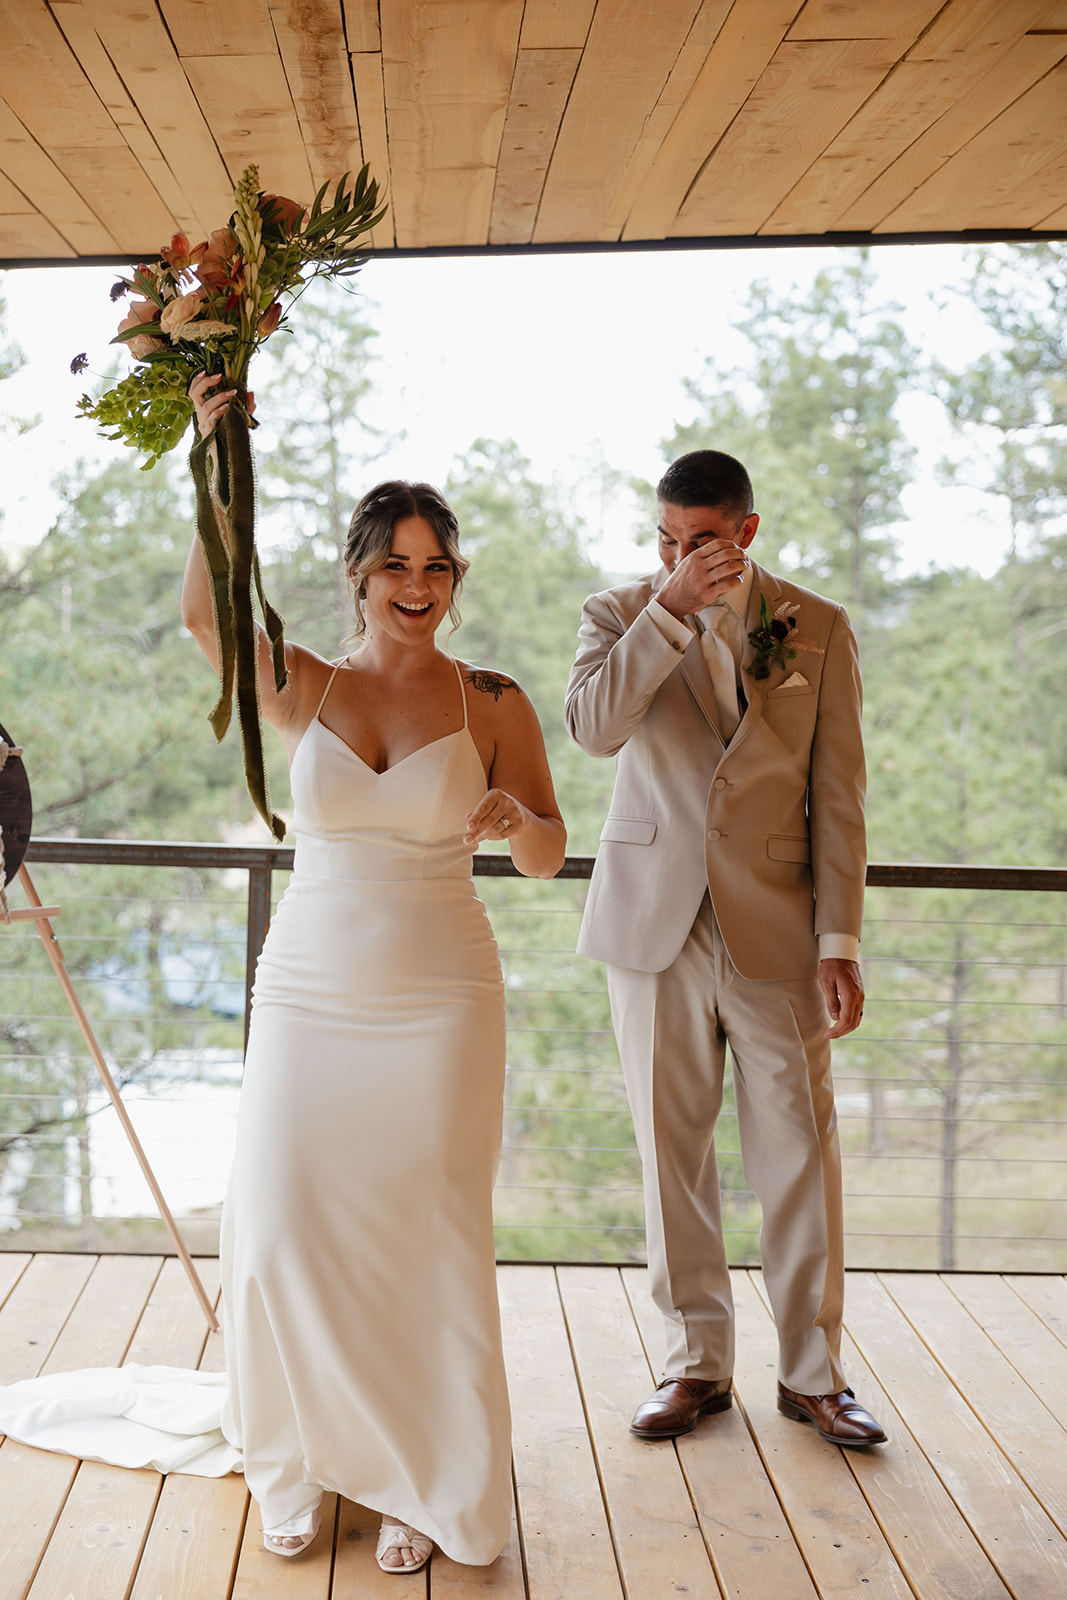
x=718 y=628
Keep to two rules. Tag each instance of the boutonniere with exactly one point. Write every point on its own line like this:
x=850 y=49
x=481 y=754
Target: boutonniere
x=776 y=639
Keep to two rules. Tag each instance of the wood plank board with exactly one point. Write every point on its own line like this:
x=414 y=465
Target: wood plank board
x=193 y=1543
x=115 y=185
x=566 y=1537
x=99 y=1535
x=936 y=1549
x=311 y=40
x=171 y=1331
x=744 y=1524
x=138 y=43
x=363 y=30
x=539 y=93
x=556 y=24
x=627 y=59
x=43 y=82
x=985 y=86
x=34 y=1485
x=902 y=111
x=447 y=69
x=247 y=105
x=12 y=1265
x=369 y=88
x=1031 y=1437
x=1047 y=1295
x=100 y=1326
x=842 y=1544
x=657 y=1536
x=858 y=19
x=76 y=23
x=35 y=1311
x=1018 y=1333
x=205 y=28
x=1021 y=1542
x=707 y=25
x=804 y=98
x=63 y=211
x=741 y=52
x=974 y=186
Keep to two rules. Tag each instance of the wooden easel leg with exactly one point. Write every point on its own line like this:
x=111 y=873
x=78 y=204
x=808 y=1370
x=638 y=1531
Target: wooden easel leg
x=55 y=956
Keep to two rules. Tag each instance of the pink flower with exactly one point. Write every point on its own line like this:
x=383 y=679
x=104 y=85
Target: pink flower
x=219 y=264
x=180 y=311
x=277 y=211
x=270 y=319
x=143 y=345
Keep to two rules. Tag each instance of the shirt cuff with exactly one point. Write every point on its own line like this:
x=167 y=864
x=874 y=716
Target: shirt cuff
x=676 y=633
x=838 y=947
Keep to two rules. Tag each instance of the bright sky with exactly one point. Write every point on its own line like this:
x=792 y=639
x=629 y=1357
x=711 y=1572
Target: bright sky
x=578 y=358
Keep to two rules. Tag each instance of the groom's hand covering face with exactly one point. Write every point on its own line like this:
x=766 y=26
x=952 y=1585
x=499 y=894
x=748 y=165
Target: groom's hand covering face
x=703 y=550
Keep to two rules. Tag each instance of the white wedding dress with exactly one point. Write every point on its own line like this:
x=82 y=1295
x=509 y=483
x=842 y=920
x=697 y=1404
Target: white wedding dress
x=361 y=1322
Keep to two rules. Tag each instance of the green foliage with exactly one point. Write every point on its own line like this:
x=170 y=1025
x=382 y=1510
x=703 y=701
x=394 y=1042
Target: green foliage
x=1010 y=403
x=149 y=409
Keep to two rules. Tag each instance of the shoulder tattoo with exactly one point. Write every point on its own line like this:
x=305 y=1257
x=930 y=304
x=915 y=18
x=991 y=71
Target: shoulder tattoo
x=493 y=683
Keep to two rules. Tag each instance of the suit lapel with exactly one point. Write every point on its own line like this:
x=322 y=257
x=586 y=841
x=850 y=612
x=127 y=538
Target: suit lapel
x=695 y=673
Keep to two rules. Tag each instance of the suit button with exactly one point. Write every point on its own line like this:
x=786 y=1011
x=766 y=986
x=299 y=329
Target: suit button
x=713 y=834
x=720 y=783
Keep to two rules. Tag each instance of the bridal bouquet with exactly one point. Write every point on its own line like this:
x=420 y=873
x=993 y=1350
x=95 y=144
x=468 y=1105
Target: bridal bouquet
x=208 y=308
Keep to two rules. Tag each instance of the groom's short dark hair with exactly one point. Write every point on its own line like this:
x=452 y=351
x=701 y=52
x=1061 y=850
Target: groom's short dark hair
x=707 y=478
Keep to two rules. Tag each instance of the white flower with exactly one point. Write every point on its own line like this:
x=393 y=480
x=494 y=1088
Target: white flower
x=199 y=331
x=179 y=312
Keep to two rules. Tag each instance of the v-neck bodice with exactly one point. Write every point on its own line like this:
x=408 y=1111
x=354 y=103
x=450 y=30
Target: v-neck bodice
x=406 y=822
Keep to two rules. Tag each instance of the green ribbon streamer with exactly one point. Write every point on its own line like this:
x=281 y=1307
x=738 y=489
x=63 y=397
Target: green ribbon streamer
x=233 y=568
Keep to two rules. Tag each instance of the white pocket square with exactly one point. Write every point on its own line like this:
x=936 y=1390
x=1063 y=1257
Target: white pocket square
x=796 y=680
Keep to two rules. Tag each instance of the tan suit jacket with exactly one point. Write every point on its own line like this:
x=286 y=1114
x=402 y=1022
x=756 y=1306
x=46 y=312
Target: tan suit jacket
x=773 y=823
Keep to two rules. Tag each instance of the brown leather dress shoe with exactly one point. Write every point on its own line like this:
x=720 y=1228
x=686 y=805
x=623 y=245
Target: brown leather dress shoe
x=678 y=1405
x=839 y=1418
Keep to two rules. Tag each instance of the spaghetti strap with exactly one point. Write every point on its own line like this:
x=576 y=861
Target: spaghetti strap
x=462 y=689
x=325 y=692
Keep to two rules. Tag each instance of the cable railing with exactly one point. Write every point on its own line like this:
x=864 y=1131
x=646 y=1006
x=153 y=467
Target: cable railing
x=951 y=1099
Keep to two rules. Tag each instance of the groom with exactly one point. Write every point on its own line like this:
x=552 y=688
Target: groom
x=727 y=901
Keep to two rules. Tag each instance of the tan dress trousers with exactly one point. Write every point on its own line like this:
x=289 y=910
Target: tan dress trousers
x=673 y=1028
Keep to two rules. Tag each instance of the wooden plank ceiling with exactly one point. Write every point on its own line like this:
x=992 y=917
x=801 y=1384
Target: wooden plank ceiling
x=545 y=123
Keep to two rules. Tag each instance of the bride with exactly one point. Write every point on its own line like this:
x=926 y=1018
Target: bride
x=362 y=1331
x=359 y=1294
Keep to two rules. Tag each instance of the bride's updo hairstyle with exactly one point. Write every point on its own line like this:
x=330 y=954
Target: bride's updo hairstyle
x=370 y=537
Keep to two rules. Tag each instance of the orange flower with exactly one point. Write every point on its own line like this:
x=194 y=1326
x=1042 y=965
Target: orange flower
x=270 y=319
x=177 y=254
x=277 y=211
x=218 y=263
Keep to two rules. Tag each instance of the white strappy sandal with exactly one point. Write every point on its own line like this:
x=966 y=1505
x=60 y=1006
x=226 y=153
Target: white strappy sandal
x=272 y=1537
x=394 y=1536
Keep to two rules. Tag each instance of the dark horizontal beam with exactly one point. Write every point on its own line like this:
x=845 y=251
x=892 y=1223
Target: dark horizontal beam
x=732 y=241
x=165 y=853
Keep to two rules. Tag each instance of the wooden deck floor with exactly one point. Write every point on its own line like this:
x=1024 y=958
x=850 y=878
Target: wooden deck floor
x=967 y=1502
